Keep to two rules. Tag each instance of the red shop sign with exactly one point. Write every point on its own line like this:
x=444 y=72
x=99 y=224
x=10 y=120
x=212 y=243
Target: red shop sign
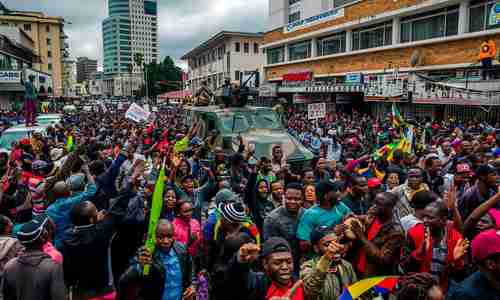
x=300 y=76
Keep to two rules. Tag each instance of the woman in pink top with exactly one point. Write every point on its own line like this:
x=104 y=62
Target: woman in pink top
x=187 y=230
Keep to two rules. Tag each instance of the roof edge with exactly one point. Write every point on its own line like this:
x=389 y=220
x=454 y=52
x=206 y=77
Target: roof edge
x=219 y=36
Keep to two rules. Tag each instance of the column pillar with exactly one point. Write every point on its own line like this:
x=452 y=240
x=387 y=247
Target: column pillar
x=396 y=31
x=286 y=53
x=463 y=17
x=314 y=47
x=348 y=40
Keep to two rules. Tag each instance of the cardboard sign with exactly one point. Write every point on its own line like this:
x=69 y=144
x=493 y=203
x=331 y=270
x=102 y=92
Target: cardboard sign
x=137 y=113
x=316 y=110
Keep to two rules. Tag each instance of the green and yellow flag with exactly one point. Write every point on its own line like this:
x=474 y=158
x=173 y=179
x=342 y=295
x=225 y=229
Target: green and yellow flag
x=70 y=145
x=156 y=208
x=397 y=119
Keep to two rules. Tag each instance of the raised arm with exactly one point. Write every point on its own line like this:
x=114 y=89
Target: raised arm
x=479 y=212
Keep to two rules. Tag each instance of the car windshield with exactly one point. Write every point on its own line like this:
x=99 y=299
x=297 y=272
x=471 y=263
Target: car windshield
x=243 y=121
x=9 y=137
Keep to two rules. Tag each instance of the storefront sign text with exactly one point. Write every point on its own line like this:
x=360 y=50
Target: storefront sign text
x=323 y=17
x=10 y=76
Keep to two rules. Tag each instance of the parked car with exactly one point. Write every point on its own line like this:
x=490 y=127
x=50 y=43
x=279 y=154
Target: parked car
x=17 y=133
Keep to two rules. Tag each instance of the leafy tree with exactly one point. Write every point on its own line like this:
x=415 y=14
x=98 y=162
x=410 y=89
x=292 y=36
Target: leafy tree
x=163 y=77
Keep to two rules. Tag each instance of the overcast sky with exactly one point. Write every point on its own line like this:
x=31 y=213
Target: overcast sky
x=183 y=24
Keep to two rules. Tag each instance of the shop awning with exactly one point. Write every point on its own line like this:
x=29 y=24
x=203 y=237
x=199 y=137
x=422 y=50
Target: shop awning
x=11 y=87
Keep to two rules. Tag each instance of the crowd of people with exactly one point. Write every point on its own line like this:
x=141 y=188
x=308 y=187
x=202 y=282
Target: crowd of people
x=76 y=204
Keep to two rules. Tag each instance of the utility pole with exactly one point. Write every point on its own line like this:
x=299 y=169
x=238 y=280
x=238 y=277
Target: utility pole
x=146 y=82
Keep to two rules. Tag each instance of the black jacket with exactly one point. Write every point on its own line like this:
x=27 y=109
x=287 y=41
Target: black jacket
x=86 y=251
x=135 y=286
x=33 y=276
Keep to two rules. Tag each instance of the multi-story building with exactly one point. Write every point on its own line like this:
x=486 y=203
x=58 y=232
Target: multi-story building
x=422 y=53
x=69 y=77
x=16 y=64
x=131 y=28
x=48 y=37
x=228 y=54
x=84 y=67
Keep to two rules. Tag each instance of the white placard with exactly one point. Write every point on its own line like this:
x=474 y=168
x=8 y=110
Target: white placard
x=316 y=110
x=137 y=113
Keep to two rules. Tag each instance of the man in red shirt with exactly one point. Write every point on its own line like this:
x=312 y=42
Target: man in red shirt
x=435 y=247
x=276 y=282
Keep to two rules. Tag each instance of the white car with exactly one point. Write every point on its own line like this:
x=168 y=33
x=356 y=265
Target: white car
x=49 y=119
x=17 y=133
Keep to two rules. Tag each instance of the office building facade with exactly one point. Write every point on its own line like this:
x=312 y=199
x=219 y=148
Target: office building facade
x=48 y=41
x=231 y=55
x=84 y=67
x=130 y=28
x=422 y=53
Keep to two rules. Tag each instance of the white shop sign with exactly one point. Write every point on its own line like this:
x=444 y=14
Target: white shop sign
x=323 y=17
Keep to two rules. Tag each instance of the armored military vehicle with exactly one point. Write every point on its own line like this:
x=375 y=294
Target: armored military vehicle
x=260 y=127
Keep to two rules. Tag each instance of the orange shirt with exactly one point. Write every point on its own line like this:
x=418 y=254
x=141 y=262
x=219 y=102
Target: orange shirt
x=488 y=50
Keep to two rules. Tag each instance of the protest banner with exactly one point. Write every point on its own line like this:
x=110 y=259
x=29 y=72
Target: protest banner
x=137 y=113
x=316 y=110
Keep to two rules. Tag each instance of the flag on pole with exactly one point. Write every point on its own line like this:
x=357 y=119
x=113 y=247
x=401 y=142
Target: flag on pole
x=397 y=119
x=381 y=285
x=385 y=150
x=156 y=208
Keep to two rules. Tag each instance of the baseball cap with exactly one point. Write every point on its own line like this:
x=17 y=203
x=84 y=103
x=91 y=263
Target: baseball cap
x=485 y=169
x=320 y=232
x=374 y=182
x=331 y=132
x=486 y=244
x=32 y=230
x=225 y=196
x=274 y=245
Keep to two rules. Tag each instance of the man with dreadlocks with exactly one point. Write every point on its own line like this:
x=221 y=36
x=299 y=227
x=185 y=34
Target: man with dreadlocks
x=419 y=286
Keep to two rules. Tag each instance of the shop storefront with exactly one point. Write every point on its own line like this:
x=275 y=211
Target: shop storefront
x=11 y=90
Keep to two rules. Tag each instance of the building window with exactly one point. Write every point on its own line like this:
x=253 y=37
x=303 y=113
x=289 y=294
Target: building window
x=237 y=47
x=49 y=42
x=245 y=47
x=332 y=44
x=433 y=24
x=337 y=3
x=256 y=48
x=47 y=28
x=49 y=53
x=479 y=13
x=27 y=27
x=49 y=66
x=294 y=7
x=294 y=17
x=236 y=75
x=276 y=55
x=373 y=36
x=299 y=50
